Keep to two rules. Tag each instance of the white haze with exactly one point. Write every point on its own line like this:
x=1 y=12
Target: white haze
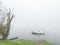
x=34 y=15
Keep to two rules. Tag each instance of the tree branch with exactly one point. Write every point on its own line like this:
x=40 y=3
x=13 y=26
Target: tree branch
x=11 y=18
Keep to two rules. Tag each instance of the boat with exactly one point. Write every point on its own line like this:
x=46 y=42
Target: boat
x=37 y=33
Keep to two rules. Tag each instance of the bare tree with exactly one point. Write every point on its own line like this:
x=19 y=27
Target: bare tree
x=9 y=19
x=5 y=14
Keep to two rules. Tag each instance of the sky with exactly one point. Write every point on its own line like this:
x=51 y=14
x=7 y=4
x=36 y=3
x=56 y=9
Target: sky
x=34 y=15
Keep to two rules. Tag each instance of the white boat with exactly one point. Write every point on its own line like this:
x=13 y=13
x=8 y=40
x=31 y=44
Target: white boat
x=38 y=33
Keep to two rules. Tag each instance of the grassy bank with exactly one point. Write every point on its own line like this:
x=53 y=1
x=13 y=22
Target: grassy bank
x=21 y=43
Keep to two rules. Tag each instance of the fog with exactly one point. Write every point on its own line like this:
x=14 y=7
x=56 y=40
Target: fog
x=34 y=15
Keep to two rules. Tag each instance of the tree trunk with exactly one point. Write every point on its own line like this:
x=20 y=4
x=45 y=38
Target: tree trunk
x=8 y=26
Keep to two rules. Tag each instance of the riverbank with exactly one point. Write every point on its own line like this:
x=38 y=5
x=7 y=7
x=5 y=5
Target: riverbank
x=22 y=42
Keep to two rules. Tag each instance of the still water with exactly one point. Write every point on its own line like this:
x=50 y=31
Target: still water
x=25 y=32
